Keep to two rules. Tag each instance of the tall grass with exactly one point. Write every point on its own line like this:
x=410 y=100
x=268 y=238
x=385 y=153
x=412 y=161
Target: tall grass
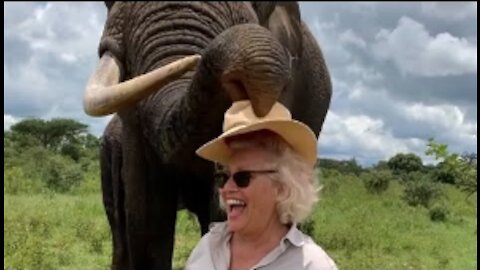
x=360 y=230
x=187 y=236
x=55 y=232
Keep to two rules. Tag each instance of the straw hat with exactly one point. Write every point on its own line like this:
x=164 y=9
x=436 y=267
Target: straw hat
x=240 y=119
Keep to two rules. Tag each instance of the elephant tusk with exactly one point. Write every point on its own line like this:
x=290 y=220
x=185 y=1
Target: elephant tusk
x=105 y=95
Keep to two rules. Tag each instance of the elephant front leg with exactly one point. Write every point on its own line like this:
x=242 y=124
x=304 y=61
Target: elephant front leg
x=133 y=174
x=150 y=205
x=151 y=224
x=113 y=195
x=161 y=208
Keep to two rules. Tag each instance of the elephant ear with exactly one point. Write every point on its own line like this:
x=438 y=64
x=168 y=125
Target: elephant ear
x=284 y=21
x=109 y=4
x=112 y=39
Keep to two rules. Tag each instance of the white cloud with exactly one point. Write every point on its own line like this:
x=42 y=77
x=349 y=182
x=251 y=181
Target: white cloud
x=61 y=29
x=367 y=74
x=9 y=120
x=367 y=9
x=371 y=124
x=447 y=115
x=349 y=37
x=360 y=135
x=450 y=11
x=447 y=119
x=326 y=33
x=68 y=57
x=31 y=84
x=55 y=48
x=366 y=139
x=358 y=90
x=415 y=52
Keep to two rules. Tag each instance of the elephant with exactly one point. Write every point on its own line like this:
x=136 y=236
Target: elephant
x=168 y=71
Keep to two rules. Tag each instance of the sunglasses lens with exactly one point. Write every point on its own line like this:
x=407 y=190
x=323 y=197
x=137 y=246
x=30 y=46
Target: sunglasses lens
x=221 y=178
x=242 y=178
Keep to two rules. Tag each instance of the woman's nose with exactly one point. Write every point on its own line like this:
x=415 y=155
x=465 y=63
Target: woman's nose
x=230 y=185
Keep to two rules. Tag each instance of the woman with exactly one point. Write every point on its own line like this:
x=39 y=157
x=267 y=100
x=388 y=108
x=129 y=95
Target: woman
x=266 y=188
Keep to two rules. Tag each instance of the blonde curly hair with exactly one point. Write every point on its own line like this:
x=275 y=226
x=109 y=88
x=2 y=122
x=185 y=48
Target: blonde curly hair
x=295 y=177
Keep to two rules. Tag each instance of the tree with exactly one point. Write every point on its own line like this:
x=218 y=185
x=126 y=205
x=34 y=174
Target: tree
x=33 y=127
x=463 y=168
x=381 y=165
x=470 y=158
x=54 y=155
x=376 y=181
x=405 y=163
x=20 y=140
x=90 y=142
x=53 y=133
x=443 y=173
x=343 y=166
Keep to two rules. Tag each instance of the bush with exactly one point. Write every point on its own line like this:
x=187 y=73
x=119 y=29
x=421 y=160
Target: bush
x=38 y=167
x=438 y=212
x=420 y=192
x=462 y=170
x=90 y=184
x=344 y=166
x=443 y=174
x=328 y=180
x=376 y=182
x=61 y=174
x=415 y=176
x=16 y=182
x=328 y=173
x=405 y=163
x=71 y=150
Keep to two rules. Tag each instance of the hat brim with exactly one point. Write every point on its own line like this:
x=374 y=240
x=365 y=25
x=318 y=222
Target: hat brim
x=296 y=134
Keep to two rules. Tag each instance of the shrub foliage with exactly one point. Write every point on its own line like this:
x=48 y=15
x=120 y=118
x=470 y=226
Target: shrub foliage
x=376 y=181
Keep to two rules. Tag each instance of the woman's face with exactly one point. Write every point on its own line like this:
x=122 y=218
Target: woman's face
x=251 y=209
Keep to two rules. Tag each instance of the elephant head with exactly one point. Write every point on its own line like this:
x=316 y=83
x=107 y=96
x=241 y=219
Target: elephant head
x=281 y=18
x=169 y=70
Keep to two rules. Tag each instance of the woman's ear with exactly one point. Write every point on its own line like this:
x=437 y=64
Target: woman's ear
x=284 y=21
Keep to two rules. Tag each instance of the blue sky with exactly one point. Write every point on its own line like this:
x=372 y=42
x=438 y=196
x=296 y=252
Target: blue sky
x=401 y=72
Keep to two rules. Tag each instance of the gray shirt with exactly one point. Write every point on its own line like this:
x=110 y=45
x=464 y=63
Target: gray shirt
x=295 y=251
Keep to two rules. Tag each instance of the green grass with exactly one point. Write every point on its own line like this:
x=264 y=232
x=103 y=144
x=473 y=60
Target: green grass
x=366 y=231
x=187 y=236
x=55 y=232
x=358 y=229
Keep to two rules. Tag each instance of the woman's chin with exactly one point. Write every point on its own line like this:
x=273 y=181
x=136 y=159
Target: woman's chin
x=234 y=224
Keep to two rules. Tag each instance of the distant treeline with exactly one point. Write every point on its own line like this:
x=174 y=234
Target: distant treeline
x=60 y=155
x=420 y=181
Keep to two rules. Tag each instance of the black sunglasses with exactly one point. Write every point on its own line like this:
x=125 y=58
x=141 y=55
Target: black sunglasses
x=241 y=178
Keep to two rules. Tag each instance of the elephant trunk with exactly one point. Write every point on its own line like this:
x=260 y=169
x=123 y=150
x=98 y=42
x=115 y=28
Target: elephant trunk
x=243 y=62
x=249 y=64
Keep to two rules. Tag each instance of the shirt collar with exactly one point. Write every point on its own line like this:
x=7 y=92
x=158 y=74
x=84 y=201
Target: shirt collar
x=219 y=245
x=295 y=236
